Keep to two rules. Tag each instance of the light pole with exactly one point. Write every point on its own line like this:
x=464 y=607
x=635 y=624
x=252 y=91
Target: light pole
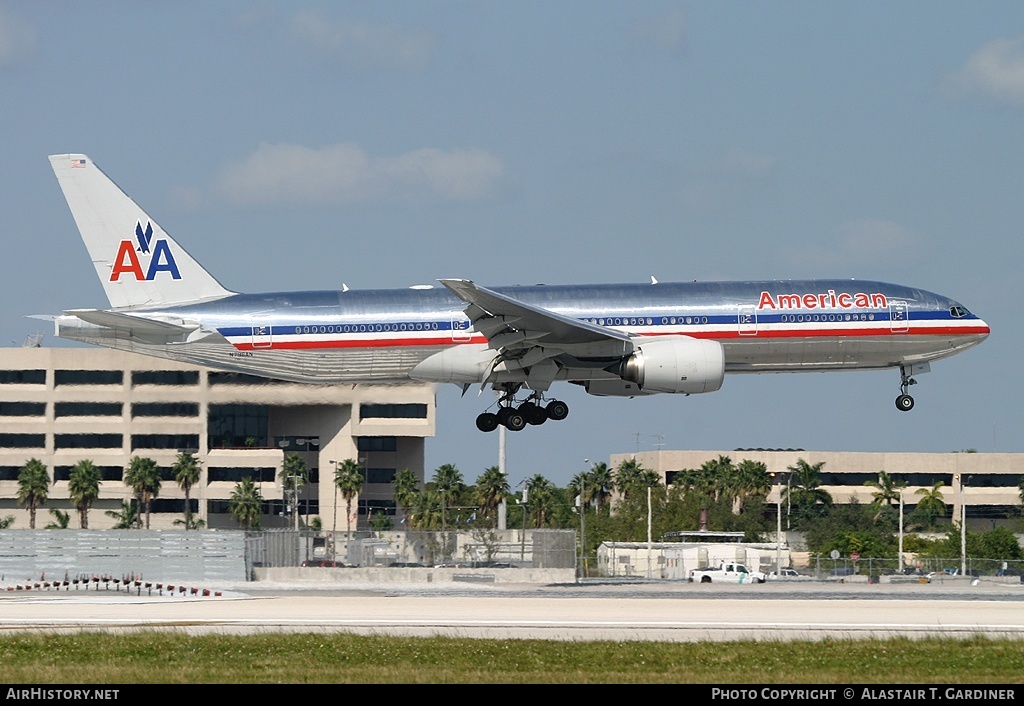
x=778 y=522
x=503 y=506
x=583 y=525
x=901 y=534
x=963 y=525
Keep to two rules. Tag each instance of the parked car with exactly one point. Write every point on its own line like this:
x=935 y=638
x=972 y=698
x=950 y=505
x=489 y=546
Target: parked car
x=322 y=562
x=786 y=574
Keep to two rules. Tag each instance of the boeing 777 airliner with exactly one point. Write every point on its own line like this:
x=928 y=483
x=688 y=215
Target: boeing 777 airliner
x=613 y=339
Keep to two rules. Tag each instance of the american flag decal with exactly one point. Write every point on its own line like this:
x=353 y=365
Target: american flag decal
x=77 y=163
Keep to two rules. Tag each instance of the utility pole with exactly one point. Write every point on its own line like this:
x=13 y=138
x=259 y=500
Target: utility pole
x=901 y=532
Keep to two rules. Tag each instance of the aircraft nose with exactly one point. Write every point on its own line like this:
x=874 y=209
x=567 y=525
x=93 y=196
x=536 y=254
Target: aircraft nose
x=983 y=330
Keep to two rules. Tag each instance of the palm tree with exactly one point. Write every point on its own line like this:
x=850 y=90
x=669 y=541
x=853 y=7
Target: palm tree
x=753 y=480
x=407 y=489
x=603 y=482
x=887 y=492
x=628 y=477
x=448 y=482
x=143 y=477
x=6 y=522
x=293 y=476
x=492 y=490
x=33 y=487
x=427 y=512
x=83 y=489
x=348 y=479
x=932 y=504
x=191 y=523
x=245 y=504
x=61 y=519
x=583 y=487
x=539 y=491
x=186 y=474
x=805 y=493
x=125 y=517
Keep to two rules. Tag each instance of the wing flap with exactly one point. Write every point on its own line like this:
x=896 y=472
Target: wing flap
x=493 y=314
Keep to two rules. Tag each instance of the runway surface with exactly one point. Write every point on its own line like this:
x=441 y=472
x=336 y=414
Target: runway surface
x=654 y=611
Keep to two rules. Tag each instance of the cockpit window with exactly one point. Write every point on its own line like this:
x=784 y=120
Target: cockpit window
x=958 y=312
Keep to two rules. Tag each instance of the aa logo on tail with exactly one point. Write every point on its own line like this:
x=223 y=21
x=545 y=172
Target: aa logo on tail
x=127 y=261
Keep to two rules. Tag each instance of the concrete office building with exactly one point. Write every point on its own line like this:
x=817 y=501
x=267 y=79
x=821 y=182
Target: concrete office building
x=987 y=485
x=62 y=405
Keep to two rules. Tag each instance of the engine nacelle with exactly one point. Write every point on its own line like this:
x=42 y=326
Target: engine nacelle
x=458 y=364
x=679 y=364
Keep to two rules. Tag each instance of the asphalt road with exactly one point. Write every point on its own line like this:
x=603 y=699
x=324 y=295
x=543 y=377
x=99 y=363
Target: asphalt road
x=651 y=611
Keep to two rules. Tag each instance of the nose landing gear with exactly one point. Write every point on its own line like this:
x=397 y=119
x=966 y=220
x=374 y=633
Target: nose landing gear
x=905 y=402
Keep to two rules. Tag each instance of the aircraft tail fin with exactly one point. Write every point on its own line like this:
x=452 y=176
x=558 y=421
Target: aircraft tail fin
x=137 y=262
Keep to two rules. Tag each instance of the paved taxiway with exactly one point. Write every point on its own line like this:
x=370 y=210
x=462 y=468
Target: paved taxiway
x=656 y=611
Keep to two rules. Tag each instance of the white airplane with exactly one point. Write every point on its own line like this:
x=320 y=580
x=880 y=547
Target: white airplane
x=613 y=339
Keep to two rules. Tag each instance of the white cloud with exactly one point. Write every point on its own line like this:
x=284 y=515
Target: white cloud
x=995 y=71
x=361 y=44
x=17 y=39
x=344 y=173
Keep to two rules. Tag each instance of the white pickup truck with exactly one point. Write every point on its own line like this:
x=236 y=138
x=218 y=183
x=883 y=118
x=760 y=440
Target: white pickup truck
x=728 y=572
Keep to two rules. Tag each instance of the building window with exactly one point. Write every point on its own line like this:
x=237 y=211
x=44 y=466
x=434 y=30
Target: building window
x=237 y=425
x=235 y=475
x=106 y=472
x=87 y=441
x=368 y=507
x=377 y=443
x=393 y=411
x=22 y=409
x=165 y=409
x=178 y=442
x=220 y=378
x=9 y=472
x=23 y=441
x=87 y=409
x=22 y=377
x=165 y=377
x=88 y=377
x=379 y=475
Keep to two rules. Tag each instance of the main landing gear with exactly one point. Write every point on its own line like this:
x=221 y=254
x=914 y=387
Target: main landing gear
x=905 y=402
x=515 y=417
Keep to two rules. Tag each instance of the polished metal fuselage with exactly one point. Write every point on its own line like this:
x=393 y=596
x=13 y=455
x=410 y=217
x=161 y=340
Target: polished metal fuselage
x=379 y=336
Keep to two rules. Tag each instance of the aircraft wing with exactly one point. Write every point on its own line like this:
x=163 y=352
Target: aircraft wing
x=530 y=338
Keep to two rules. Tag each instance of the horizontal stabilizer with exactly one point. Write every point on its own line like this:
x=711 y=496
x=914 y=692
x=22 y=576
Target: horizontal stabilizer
x=136 y=324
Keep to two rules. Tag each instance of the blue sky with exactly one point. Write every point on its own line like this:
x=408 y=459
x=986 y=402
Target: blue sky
x=307 y=145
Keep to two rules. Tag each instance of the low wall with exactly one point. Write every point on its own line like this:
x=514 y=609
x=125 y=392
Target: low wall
x=356 y=575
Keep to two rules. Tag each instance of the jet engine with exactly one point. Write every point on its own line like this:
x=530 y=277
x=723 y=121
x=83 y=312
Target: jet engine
x=675 y=365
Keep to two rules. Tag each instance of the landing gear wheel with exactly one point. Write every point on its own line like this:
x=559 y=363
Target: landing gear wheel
x=487 y=422
x=514 y=421
x=533 y=413
x=904 y=403
x=557 y=410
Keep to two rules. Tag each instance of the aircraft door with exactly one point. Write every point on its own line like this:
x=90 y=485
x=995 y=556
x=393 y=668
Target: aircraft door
x=262 y=334
x=899 y=315
x=461 y=330
x=746 y=318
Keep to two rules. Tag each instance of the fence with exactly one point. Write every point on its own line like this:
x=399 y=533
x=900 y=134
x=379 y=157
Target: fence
x=539 y=549
x=825 y=568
